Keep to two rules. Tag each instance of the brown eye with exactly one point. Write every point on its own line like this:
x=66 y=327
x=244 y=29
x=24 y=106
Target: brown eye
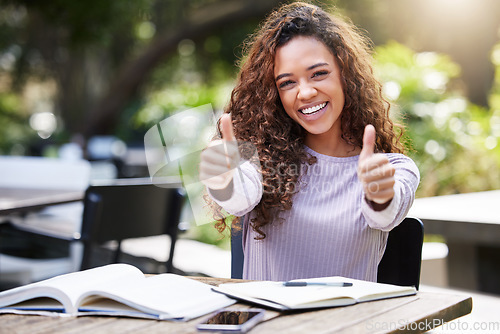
x=285 y=83
x=320 y=74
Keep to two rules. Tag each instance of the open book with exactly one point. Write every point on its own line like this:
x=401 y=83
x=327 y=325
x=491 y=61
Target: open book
x=116 y=290
x=281 y=297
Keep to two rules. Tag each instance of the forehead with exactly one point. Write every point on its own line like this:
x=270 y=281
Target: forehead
x=301 y=52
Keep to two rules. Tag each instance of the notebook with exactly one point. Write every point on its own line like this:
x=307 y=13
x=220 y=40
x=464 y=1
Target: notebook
x=280 y=297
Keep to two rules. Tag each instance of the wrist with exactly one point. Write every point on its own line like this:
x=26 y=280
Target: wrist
x=223 y=194
x=378 y=206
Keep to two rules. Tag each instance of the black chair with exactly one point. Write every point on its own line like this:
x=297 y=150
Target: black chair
x=131 y=208
x=115 y=211
x=400 y=264
x=402 y=258
x=237 y=255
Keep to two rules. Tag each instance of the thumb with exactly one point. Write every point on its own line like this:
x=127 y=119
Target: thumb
x=368 y=142
x=226 y=127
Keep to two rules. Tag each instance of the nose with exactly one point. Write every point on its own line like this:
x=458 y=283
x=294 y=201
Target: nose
x=307 y=91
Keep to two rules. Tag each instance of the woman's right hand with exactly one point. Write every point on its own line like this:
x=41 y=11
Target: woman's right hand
x=220 y=158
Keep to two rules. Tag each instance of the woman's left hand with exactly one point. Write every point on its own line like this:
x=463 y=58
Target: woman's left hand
x=375 y=171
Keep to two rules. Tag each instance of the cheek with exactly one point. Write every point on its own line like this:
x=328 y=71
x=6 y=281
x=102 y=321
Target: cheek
x=287 y=99
x=287 y=106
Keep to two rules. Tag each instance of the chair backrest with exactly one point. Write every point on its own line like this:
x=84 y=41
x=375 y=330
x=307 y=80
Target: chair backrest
x=237 y=254
x=402 y=258
x=131 y=208
x=400 y=264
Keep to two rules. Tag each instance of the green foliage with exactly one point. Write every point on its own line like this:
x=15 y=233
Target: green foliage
x=208 y=234
x=454 y=142
x=13 y=125
x=170 y=100
x=84 y=46
x=495 y=91
x=87 y=21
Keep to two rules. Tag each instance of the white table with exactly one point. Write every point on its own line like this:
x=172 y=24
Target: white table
x=18 y=200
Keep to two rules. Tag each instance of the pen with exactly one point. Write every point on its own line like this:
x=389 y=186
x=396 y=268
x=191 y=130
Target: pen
x=298 y=283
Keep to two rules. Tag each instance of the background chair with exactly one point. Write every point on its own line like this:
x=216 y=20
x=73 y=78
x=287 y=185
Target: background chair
x=114 y=212
x=400 y=264
x=127 y=209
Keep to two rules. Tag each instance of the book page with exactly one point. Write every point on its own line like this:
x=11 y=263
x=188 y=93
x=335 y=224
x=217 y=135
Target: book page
x=106 y=306
x=31 y=297
x=44 y=303
x=67 y=288
x=169 y=296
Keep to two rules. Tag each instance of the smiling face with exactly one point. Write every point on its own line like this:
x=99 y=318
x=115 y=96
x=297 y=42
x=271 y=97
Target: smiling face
x=308 y=81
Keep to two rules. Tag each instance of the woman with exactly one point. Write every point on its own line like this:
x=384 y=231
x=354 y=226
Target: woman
x=332 y=179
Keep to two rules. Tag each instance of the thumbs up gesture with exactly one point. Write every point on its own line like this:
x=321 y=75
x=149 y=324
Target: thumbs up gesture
x=220 y=158
x=375 y=171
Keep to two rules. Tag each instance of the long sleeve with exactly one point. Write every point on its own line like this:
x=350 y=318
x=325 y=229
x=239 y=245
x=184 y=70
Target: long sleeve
x=247 y=190
x=407 y=178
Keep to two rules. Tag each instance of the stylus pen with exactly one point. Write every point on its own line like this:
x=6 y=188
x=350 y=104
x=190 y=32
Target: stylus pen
x=298 y=283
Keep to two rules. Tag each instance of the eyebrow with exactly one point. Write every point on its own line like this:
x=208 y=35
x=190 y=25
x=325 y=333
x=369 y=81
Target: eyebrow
x=282 y=75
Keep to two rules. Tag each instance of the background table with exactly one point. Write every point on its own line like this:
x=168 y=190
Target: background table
x=417 y=314
x=470 y=223
x=16 y=200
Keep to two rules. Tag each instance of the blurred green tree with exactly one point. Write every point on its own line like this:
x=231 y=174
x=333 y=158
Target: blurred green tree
x=101 y=62
x=13 y=124
x=101 y=54
x=453 y=141
x=119 y=67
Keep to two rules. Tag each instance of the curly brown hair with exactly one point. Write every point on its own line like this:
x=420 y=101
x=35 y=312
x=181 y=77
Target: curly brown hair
x=259 y=117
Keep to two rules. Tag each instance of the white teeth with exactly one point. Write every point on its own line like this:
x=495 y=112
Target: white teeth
x=311 y=110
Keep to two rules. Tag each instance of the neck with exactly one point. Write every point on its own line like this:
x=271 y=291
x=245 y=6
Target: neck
x=332 y=146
